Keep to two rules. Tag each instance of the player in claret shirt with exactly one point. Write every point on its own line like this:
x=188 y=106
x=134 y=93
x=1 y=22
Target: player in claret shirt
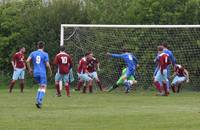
x=93 y=67
x=161 y=77
x=83 y=74
x=18 y=64
x=181 y=75
x=64 y=64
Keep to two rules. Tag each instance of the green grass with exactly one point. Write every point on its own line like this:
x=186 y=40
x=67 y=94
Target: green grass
x=100 y=111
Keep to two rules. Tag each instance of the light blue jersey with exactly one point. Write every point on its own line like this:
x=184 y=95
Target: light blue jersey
x=39 y=59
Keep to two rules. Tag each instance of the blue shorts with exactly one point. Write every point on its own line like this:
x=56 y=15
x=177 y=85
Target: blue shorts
x=161 y=77
x=18 y=74
x=62 y=77
x=94 y=75
x=41 y=80
x=129 y=72
x=178 y=79
x=84 y=77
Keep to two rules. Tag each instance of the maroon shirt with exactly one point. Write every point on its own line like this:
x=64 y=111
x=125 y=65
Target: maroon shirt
x=163 y=61
x=18 y=59
x=82 y=67
x=179 y=70
x=64 y=62
x=92 y=65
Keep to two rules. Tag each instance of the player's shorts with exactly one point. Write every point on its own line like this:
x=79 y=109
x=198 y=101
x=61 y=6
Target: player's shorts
x=178 y=79
x=18 y=74
x=41 y=79
x=130 y=72
x=161 y=77
x=94 y=75
x=62 y=77
x=84 y=77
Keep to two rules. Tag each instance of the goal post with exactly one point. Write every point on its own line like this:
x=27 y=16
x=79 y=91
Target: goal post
x=142 y=40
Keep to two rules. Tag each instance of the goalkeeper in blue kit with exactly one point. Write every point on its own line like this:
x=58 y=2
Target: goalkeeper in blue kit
x=131 y=63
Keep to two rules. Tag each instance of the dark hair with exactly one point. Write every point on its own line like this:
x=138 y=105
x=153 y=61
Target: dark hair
x=62 y=48
x=124 y=50
x=40 y=44
x=160 y=48
x=164 y=44
x=88 y=53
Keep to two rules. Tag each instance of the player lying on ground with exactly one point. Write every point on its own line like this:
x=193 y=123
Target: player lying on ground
x=120 y=81
x=40 y=61
x=172 y=60
x=93 y=67
x=83 y=74
x=181 y=75
x=19 y=66
x=64 y=64
x=161 y=79
x=131 y=63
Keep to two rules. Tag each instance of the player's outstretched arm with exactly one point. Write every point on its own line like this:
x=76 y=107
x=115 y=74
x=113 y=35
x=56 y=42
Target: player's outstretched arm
x=187 y=75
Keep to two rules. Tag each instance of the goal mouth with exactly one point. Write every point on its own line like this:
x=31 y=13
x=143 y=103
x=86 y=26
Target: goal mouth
x=141 y=40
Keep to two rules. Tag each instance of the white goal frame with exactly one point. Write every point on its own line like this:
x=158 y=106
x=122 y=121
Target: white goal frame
x=63 y=26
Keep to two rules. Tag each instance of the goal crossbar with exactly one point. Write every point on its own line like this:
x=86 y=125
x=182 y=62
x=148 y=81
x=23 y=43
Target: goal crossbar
x=119 y=26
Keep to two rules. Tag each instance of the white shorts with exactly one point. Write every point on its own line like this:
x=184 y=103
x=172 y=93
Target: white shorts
x=18 y=74
x=94 y=75
x=178 y=79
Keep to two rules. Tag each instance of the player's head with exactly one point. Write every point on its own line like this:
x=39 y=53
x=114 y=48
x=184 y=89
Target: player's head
x=160 y=49
x=40 y=45
x=165 y=45
x=88 y=54
x=62 y=48
x=125 y=50
x=22 y=49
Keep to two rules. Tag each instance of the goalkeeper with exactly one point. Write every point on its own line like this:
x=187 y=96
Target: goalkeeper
x=131 y=63
x=120 y=81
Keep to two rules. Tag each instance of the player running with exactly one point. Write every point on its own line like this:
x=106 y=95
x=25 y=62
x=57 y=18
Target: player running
x=19 y=66
x=131 y=63
x=40 y=61
x=181 y=75
x=64 y=63
x=93 y=67
x=161 y=79
x=83 y=74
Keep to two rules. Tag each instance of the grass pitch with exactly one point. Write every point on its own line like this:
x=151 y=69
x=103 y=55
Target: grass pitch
x=100 y=111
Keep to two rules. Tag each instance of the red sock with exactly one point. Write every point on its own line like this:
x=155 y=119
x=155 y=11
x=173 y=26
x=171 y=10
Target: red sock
x=80 y=83
x=157 y=84
x=67 y=89
x=173 y=88
x=99 y=84
x=22 y=87
x=57 y=89
x=165 y=89
x=11 y=86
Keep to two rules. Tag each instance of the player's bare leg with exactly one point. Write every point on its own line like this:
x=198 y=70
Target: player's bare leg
x=11 y=85
x=22 y=85
x=67 y=88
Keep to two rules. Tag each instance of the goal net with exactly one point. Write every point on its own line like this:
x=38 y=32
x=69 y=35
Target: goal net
x=141 y=40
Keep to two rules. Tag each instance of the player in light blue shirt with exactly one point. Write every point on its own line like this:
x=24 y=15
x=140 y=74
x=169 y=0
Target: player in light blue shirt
x=40 y=61
x=131 y=63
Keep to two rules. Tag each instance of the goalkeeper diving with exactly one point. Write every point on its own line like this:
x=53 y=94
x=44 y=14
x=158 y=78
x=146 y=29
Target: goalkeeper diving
x=127 y=77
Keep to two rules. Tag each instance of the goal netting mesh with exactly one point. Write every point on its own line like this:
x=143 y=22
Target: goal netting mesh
x=183 y=41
